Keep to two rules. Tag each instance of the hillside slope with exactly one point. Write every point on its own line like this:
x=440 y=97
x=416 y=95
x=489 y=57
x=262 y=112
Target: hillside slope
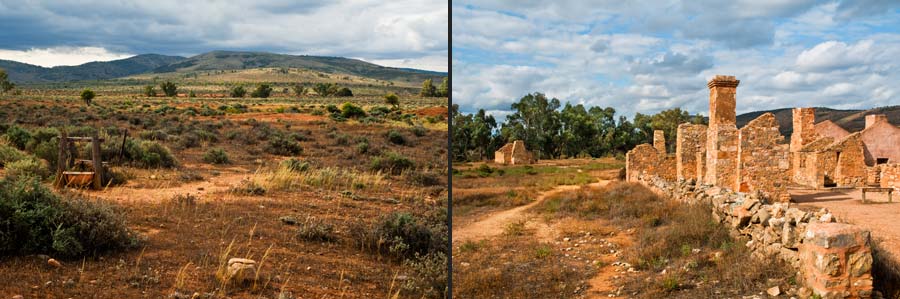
x=851 y=120
x=27 y=73
x=23 y=73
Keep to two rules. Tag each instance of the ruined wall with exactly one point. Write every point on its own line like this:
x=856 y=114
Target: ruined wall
x=890 y=176
x=763 y=162
x=689 y=142
x=833 y=258
x=640 y=161
x=804 y=128
x=809 y=165
x=513 y=153
x=849 y=161
x=659 y=141
x=722 y=134
x=827 y=128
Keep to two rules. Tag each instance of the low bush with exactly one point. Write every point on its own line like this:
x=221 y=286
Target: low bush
x=316 y=231
x=295 y=165
x=283 y=146
x=28 y=167
x=9 y=154
x=35 y=220
x=392 y=162
x=216 y=156
x=18 y=136
x=348 y=110
x=149 y=154
x=396 y=137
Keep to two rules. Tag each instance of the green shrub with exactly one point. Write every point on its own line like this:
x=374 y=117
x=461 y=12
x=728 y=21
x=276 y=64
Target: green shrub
x=419 y=131
x=35 y=220
x=395 y=137
x=283 y=146
x=29 y=167
x=428 y=275
x=87 y=95
x=343 y=92
x=295 y=165
x=315 y=231
x=392 y=162
x=331 y=108
x=238 y=92
x=348 y=110
x=379 y=111
x=9 y=154
x=216 y=156
x=18 y=136
x=169 y=88
x=149 y=154
x=261 y=91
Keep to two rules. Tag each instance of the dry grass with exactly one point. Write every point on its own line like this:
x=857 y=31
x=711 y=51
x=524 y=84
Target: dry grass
x=700 y=258
x=283 y=178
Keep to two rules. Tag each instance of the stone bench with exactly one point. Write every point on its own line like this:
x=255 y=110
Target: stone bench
x=873 y=189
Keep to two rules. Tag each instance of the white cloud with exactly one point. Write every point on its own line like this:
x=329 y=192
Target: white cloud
x=832 y=55
x=57 y=56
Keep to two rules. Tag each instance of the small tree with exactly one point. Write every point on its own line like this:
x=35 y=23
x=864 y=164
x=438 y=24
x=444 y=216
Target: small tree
x=325 y=89
x=343 y=92
x=262 y=91
x=5 y=85
x=428 y=89
x=149 y=91
x=238 y=92
x=298 y=89
x=169 y=88
x=444 y=89
x=392 y=99
x=191 y=94
x=87 y=95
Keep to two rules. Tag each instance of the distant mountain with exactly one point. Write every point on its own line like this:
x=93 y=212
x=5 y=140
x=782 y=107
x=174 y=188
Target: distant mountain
x=216 y=60
x=850 y=120
x=228 y=60
x=27 y=73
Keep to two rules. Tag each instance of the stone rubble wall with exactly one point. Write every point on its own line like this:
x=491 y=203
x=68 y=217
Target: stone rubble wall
x=834 y=259
x=890 y=177
x=690 y=141
x=644 y=160
x=763 y=161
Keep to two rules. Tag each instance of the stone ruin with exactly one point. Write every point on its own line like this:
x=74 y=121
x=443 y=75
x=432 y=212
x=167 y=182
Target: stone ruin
x=514 y=153
x=745 y=173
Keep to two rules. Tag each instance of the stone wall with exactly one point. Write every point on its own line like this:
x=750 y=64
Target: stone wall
x=513 y=153
x=642 y=160
x=834 y=259
x=722 y=134
x=690 y=141
x=890 y=176
x=804 y=120
x=849 y=161
x=763 y=161
x=659 y=141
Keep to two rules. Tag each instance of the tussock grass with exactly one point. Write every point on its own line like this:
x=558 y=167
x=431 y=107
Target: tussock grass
x=286 y=178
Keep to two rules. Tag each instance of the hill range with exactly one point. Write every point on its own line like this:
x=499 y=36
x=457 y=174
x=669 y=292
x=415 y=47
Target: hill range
x=23 y=73
x=850 y=120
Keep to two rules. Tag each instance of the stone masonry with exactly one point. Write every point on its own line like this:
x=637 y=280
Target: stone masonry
x=689 y=142
x=659 y=141
x=763 y=161
x=722 y=133
x=513 y=153
x=836 y=260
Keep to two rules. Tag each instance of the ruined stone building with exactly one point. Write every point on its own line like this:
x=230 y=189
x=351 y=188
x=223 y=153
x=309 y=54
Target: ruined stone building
x=757 y=159
x=514 y=153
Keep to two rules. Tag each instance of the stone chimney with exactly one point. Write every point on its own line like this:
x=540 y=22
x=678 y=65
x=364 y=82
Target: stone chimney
x=721 y=100
x=871 y=119
x=804 y=120
x=722 y=133
x=659 y=141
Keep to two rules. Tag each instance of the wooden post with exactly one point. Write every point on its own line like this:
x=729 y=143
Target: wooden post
x=863 y=195
x=97 y=163
x=61 y=161
x=122 y=150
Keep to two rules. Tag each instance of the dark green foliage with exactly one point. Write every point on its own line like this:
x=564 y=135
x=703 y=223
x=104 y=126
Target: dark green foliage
x=392 y=99
x=325 y=89
x=9 y=154
x=35 y=220
x=169 y=88
x=238 y=92
x=295 y=165
x=5 y=85
x=149 y=91
x=28 y=167
x=298 y=89
x=444 y=89
x=348 y=110
x=379 y=111
x=283 y=146
x=18 y=136
x=403 y=235
x=343 y=92
x=419 y=131
x=392 y=162
x=428 y=89
x=261 y=91
x=396 y=137
x=149 y=154
x=216 y=156
x=331 y=108
x=87 y=95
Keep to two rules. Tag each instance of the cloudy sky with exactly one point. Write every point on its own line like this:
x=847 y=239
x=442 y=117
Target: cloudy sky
x=647 y=56
x=410 y=33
